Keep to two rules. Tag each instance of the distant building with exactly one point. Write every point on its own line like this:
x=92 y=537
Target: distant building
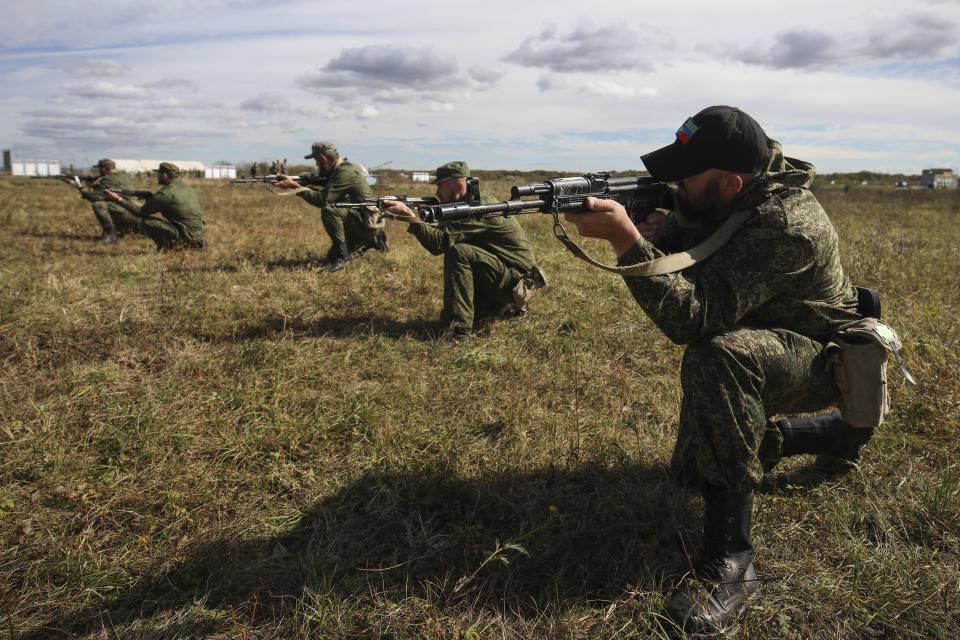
x=146 y=166
x=938 y=179
x=421 y=176
x=17 y=166
x=220 y=172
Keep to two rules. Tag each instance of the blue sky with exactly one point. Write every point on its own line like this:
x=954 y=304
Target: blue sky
x=504 y=85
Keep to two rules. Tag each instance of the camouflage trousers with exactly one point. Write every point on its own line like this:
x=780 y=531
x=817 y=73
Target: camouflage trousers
x=163 y=233
x=347 y=226
x=476 y=285
x=733 y=384
x=111 y=217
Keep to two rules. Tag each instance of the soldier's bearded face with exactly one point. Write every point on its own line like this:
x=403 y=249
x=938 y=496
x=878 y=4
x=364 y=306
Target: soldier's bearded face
x=451 y=190
x=699 y=195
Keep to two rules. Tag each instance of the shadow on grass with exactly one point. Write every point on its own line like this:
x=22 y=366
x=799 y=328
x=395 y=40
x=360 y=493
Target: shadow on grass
x=515 y=544
x=339 y=327
x=215 y=268
x=812 y=473
x=60 y=235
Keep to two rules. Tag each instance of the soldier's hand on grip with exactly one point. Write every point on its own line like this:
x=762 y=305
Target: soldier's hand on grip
x=398 y=209
x=652 y=226
x=606 y=220
x=286 y=183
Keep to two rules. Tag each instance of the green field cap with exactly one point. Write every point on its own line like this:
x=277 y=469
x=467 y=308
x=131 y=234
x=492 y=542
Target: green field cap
x=455 y=169
x=318 y=149
x=106 y=163
x=168 y=168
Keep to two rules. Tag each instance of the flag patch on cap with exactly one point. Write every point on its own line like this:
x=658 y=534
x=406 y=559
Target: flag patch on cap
x=686 y=132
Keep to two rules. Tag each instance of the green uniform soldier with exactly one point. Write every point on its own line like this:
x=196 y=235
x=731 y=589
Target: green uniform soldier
x=109 y=214
x=754 y=317
x=489 y=268
x=181 y=226
x=350 y=230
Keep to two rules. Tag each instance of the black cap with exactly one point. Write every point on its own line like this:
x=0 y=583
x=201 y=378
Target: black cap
x=716 y=138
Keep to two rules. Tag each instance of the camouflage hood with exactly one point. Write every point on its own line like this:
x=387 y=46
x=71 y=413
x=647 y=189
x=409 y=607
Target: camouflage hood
x=781 y=172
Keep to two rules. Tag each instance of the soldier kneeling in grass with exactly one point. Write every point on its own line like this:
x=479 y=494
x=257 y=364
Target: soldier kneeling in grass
x=756 y=317
x=489 y=269
x=181 y=226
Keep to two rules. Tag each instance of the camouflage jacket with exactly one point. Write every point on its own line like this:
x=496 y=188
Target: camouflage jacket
x=178 y=203
x=781 y=268
x=346 y=184
x=109 y=181
x=503 y=237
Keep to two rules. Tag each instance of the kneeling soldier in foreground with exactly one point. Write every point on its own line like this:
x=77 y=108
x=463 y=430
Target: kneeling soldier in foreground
x=755 y=316
x=489 y=269
x=182 y=224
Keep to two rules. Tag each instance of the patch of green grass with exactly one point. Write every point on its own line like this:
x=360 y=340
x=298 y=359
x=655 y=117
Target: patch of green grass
x=233 y=444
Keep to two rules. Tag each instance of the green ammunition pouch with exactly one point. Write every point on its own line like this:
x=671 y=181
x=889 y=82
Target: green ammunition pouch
x=857 y=356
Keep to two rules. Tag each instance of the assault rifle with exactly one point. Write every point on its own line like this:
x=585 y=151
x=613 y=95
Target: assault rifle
x=639 y=195
x=379 y=203
x=305 y=180
x=129 y=193
x=70 y=178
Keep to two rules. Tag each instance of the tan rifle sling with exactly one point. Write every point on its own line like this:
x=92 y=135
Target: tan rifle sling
x=667 y=264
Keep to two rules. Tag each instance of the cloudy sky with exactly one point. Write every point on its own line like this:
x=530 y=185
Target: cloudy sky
x=566 y=85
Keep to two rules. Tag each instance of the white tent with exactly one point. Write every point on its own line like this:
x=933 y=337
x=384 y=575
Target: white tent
x=145 y=166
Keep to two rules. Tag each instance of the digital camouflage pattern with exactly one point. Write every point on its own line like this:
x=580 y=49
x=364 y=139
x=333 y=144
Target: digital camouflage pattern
x=351 y=226
x=482 y=261
x=182 y=220
x=109 y=214
x=754 y=316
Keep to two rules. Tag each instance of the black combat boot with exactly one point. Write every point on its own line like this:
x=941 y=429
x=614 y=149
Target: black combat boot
x=723 y=578
x=109 y=236
x=827 y=436
x=337 y=258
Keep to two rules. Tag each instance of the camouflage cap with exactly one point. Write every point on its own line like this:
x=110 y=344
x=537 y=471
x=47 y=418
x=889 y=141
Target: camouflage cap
x=106 y=163
x=169 y=168
x=318 y=149
x=455 y=169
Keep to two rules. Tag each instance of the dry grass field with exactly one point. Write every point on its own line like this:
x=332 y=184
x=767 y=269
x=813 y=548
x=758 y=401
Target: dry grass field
x=232 y=444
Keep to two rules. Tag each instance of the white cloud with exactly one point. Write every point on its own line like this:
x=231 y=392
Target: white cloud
x=272 y=103
x=612 y=47
x=919 y=37
x=607 y=89
x=95 y=67
x=484 y=77
x=369 y=111
x=107 y=89
x=862 y=77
